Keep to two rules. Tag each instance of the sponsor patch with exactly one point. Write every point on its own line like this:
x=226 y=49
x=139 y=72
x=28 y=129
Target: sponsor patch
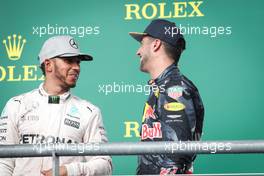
x=74 y=113
x=31 y=117
x=72 y=123
x=2 y=138
x=3 y=124
x=39 y=139
x=174 y=116
x=174 y=106
x=151 y=133
x=148 y=112
x=2 y=130
x=173 y=120
x=53 y=99
x=175 y=92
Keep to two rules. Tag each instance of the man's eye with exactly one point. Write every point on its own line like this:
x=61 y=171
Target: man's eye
x=67 y=61
x=72 y=61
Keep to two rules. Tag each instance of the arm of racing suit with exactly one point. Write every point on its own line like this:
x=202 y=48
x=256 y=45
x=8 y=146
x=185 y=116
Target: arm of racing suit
x=8 y=134
x=94 y=165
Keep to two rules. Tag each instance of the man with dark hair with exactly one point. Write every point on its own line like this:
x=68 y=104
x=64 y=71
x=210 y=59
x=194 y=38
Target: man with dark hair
x=174 y=110
x=51 y=114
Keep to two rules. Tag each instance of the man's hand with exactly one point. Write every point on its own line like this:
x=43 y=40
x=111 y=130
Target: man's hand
x=63 y=172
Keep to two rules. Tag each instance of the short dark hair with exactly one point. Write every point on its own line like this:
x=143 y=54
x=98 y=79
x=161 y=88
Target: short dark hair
x=175 y=52
x=42 y=67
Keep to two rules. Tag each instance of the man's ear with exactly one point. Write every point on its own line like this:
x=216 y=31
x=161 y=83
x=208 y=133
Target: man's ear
x=156 y=44
x=48 y=65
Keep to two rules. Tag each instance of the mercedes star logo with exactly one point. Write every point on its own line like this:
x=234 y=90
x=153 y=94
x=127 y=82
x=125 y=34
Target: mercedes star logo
x=73 y=44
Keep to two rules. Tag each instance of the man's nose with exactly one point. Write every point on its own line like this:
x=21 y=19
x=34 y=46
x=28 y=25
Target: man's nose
x=76 y=65
x=138 y=52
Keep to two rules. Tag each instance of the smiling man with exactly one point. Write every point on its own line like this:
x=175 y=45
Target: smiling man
x=51 y=114
x=173 y=113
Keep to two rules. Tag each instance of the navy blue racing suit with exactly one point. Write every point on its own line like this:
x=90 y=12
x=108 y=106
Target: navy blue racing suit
x=173 y=112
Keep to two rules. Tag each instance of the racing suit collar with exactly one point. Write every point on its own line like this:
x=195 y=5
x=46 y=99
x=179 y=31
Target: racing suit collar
x=62 y=98
x=173 y=68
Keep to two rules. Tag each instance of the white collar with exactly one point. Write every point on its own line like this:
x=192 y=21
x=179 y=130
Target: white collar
x=63 y=97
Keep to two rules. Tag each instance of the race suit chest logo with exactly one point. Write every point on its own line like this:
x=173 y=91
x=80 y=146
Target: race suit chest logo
x=72 y=123
x=74 y=113
x=53 y=99
x=174 y=106
x=148 y=113
x=151 y=133
x=2 y=138
x=41 y=139
x=3 y=124
x=175 y=92
x=30 y=117
x=3 y=130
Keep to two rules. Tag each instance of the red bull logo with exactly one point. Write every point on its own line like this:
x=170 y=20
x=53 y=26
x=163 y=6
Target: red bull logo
x=151 y=133
x=148 y=112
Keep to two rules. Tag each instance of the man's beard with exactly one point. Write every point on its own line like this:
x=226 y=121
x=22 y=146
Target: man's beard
x=64 y=85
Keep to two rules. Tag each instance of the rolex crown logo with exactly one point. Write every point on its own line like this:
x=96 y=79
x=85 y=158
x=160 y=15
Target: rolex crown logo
x=15 y=48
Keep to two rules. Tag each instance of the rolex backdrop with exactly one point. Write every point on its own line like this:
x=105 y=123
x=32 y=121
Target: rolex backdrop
x=223 y=57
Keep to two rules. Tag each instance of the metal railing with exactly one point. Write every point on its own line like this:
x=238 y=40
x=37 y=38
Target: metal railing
x=129 y=148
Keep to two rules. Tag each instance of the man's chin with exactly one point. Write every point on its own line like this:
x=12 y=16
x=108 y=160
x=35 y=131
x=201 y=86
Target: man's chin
x=72 y=85
x=143 y=69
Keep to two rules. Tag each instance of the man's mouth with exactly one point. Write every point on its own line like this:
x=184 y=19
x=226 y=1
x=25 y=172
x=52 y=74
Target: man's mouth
x=74 y=76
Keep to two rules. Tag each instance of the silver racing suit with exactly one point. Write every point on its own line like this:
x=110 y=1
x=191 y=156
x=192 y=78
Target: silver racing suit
x=36 y=117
